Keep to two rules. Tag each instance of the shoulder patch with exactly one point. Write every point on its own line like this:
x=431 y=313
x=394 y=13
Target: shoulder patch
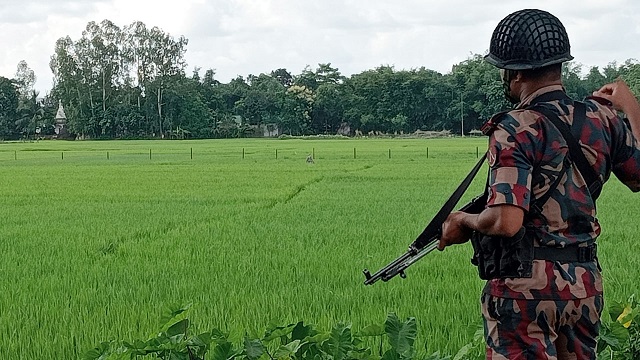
x=490 y=125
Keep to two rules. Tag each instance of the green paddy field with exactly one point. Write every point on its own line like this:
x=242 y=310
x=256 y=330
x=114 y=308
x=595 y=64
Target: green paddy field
x=97 y=239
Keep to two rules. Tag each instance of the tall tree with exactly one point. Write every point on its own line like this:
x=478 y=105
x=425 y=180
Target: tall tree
x=8 y=108
x=25 y=78
x=167 y=59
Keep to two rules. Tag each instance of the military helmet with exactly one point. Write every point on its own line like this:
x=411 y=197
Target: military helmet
x=528 y=39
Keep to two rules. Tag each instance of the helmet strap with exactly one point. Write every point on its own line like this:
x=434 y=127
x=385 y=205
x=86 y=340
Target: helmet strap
x=507 y=76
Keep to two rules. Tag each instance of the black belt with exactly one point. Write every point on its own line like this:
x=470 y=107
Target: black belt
x=566 y=255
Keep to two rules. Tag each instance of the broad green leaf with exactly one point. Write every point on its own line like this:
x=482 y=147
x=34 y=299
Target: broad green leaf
x=288 y=350
x=300 y=331
x=253 y=348
x=100 y=352
x=620 y=332
x=615 y=309
x=340 y=342
x=318 y=338
x=463 y=352
x=178 y=356
x=613 y=335
x=390 y=354
x=218 y=336
x=372 y=330
x=172 y=313
x=201 y=340
x=179 y=328
x=401 y=335
x=223 y=351
x=275 y=332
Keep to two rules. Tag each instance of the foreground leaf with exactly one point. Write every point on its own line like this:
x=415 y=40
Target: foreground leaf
x=340 y=342
x=172 y=313
x=179 y=328
x=372 y=330
x=100 y=352
x=401 y=335
x=275 y=332
x=253 y=348
x=289 y=350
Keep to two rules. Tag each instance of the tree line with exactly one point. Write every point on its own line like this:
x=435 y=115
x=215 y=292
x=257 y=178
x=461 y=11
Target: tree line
x=131 y=82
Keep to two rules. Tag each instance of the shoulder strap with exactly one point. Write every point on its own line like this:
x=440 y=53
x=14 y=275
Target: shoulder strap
x=575 y=150
x=435 y=226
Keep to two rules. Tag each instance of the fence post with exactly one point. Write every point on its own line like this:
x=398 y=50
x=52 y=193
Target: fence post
x=354 y=153
x=313 y=153
x=191 y=153
x=149 y=154
x=389 y=153
x=107 y=155
x=243 y=153
x=62 y=155
x=477 y=153
x=15 y=155
x=276 y=154
x=427 y=152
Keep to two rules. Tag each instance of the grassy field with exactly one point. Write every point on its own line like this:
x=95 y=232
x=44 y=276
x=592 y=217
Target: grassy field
x=98 y=238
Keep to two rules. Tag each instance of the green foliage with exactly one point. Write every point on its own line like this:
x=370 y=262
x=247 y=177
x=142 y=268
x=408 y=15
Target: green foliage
x=620 y=331
x=130 y=82
x=619 y=339
x=293 y=341
x=8 y=107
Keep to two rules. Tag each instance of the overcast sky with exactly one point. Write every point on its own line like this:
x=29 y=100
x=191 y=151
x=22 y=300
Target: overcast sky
x=241 y=37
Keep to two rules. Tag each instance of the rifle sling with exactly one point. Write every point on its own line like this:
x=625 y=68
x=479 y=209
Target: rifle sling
x=434 y=228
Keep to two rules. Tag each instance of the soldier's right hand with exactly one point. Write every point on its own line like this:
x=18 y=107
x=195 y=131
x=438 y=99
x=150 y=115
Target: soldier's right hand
x=620 y=96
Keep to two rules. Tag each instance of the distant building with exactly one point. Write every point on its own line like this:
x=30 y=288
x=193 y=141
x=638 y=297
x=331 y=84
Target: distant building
x=60 y=128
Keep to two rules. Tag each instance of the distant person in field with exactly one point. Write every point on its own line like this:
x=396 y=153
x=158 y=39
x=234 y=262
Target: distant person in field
x=535 y=242
x=310 y=159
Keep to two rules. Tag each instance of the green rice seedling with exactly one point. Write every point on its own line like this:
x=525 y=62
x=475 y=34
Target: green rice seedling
x=93 y=248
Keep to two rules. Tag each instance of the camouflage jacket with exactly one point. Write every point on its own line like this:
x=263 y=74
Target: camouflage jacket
x=526 y=154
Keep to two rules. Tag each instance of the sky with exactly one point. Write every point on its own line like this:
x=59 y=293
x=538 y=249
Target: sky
x=242 y=37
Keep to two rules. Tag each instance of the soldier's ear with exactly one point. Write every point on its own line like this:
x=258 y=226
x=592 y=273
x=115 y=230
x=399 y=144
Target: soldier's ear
x=519 y=77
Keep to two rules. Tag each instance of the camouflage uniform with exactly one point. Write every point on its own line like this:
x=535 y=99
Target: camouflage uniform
x=555 y=314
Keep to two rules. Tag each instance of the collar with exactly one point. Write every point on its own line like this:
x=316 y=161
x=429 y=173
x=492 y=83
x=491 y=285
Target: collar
x=543 y=90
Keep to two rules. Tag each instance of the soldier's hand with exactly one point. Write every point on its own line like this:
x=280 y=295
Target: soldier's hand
x=620 y=96
x=453 y=230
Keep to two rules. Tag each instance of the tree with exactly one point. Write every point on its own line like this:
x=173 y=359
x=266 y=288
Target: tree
x=25 y=78
x=8 y=108
x=328 y=109
x=167 y=59
x=296 y=116
x=283 y=76
x=477 y=93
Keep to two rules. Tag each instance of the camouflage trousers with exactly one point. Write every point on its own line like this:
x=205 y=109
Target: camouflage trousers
x=517 y=329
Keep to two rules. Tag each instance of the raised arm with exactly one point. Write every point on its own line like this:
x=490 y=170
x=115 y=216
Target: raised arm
x=623 y=100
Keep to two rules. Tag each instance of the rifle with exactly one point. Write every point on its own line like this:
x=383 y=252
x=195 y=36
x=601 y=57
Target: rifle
x=427 y=241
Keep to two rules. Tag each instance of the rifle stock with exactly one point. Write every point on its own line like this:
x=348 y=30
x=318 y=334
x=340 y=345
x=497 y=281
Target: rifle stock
x=425 y=243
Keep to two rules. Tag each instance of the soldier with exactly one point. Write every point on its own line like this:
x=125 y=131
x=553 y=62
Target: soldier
x=535 y=240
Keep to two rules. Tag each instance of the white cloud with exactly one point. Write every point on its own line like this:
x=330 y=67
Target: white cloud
x=241 y=37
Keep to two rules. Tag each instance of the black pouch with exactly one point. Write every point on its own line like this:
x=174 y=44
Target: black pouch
x=503 y=257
